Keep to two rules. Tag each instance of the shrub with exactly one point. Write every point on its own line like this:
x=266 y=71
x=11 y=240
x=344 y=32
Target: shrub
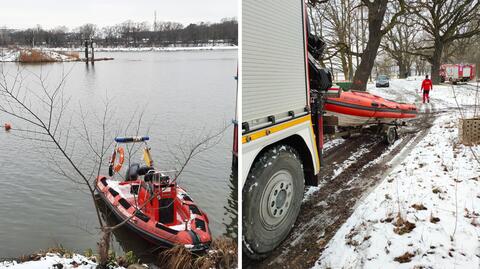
x=222 y=254
x=34 y=56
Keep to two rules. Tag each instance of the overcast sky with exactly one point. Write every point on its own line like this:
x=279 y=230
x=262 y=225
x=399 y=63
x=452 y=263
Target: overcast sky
x=23 y=14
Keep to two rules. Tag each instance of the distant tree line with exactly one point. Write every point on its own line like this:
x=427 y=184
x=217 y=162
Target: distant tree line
x=362 y=36
x=127 y=34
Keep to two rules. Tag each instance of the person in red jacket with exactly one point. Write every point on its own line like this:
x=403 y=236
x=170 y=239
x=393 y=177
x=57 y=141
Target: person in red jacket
x=427 y=86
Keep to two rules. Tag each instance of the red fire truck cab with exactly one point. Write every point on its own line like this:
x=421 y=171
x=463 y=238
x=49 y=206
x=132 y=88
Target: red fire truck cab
x=457 y=72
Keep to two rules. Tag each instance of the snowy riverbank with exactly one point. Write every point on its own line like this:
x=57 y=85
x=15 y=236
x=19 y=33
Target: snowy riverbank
x=54 y=261
x=164 y=49
x=72 y=54
x=426 y=211
x=222 y=254
x=37 y=55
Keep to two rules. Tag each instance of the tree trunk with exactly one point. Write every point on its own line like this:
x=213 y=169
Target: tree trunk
x=402 y=69
x=376 y=12
x=367 y=61
x=103 y=248
x=343 y=59
x=350 y=67
x=477 y=70
x=418 y=67
x=436 y=61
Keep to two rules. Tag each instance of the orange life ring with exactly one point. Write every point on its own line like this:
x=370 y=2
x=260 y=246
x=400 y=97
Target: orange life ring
x=121 y=159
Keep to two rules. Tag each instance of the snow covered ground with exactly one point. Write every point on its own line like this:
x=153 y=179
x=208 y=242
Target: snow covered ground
x=166 y=49
x=426 y=211
x=441 y=97
x=54 y=261
x=12 y=55
x=7 y=55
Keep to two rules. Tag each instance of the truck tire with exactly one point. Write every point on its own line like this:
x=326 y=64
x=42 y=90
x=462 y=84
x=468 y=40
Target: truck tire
x=272 y=197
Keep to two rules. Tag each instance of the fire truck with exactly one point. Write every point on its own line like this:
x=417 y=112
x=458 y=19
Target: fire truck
x=457 y=72
x=282 y=134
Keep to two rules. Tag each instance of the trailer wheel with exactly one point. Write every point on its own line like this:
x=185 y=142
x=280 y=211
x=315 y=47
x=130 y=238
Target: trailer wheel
x=390 y=135
x=272 y=197
x=345 y=133
x=346 y=136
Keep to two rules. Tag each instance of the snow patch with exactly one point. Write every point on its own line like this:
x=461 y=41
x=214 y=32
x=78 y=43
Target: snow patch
x=426 y=211
x=333 y=143
x=53 y=260
x=351 y=160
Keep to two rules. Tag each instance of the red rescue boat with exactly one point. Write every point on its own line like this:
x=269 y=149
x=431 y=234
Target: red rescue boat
x=152 y=204
x=355 y=108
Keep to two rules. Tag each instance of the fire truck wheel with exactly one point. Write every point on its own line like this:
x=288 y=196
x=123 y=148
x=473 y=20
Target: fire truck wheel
x=272 y=197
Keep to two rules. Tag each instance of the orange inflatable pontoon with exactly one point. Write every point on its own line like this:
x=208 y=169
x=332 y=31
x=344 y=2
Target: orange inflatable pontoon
x=355 y=108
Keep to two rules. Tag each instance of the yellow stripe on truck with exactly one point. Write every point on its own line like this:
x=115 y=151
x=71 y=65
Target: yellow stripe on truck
x=276 y=128
x=316 y=157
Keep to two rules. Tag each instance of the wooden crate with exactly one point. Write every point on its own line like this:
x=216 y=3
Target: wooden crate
x=469 y=131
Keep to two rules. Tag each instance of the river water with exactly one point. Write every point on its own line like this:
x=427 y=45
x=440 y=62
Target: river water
x=184 y=96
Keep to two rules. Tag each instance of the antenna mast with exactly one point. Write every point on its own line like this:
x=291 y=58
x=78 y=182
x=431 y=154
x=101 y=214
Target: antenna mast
x=155 y=21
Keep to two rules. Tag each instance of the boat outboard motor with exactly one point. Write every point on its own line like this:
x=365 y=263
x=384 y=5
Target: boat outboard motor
x=148 y=173
x=132 y=172
x=320 y=78
x=135 y=170
x=316 y=46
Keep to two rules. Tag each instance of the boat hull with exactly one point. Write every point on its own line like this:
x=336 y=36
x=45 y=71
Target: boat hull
x=189 y=234
x=362 y=108
x=345 y=120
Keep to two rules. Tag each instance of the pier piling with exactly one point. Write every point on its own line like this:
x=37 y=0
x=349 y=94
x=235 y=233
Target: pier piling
x=89 y=56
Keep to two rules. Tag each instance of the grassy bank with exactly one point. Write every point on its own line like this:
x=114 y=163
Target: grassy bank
x=222 y=254
x=38 y=56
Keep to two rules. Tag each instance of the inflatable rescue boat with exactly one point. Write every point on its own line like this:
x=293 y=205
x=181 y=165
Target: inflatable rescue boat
x=152 y=204
x=353 y=108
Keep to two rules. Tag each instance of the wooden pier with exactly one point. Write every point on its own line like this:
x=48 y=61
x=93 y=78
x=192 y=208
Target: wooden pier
x=90 y=53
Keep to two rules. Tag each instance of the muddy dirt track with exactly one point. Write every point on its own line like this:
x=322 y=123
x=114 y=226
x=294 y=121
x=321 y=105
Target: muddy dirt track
x=324 y=211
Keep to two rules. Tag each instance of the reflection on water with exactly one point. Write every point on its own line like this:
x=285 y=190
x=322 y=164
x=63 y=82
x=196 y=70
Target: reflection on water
x=231 y=209
x=125 y=239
